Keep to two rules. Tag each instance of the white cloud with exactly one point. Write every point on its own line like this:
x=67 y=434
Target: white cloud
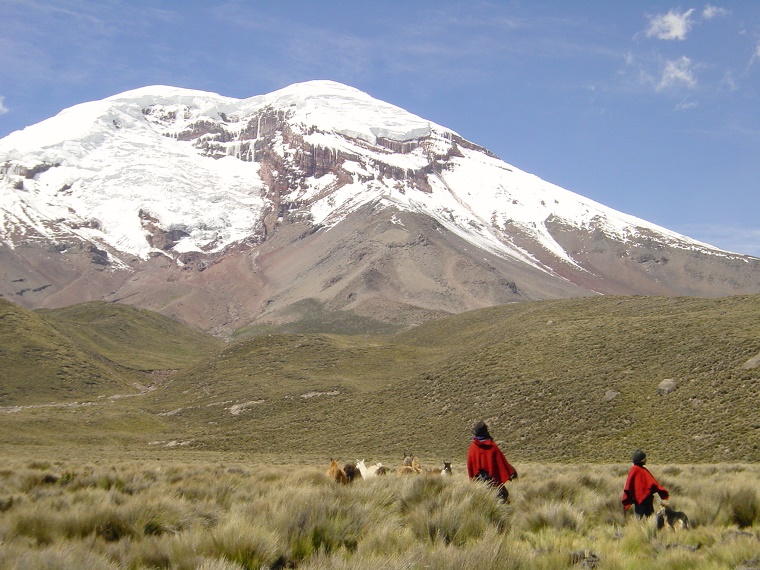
x=729 y=82
x=3 y=108
x=676 y=73
x=711 y=12
x=670 y=26
x=686 y=104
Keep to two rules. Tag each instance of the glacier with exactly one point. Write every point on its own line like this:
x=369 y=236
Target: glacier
x=102 y=170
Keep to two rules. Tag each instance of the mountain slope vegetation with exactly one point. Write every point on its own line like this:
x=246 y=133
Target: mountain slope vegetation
x=131 y=337
x=89 y=350
x=567 y=380
x=556 y=380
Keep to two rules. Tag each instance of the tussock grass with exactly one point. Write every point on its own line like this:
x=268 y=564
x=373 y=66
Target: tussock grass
x=231 y=515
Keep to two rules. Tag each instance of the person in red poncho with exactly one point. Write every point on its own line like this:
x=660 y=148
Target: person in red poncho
x=641 y=487
x=486 y=462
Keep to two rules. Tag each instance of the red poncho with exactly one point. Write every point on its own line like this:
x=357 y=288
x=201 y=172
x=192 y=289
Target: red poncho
x=485 y=454
x=640 y=485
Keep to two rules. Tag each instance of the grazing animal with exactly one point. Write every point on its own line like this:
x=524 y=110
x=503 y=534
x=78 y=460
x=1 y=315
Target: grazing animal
x=413 y=467
x=352 y=471
x=335 y=473
x=370 y=471
x=406 y=465
x=446 y=470
x=670 y=517
x=362 y=467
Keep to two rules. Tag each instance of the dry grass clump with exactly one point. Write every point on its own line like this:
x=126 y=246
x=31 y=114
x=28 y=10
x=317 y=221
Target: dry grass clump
x=222 y=516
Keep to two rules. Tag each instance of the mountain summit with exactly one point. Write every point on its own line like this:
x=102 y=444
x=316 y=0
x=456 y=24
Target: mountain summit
x=225 y=212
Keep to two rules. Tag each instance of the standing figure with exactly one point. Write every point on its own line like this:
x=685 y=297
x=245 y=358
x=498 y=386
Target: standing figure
x=641 y=487
x=486 y=462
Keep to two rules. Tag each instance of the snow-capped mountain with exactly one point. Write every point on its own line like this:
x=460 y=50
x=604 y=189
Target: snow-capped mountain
x=224 y=212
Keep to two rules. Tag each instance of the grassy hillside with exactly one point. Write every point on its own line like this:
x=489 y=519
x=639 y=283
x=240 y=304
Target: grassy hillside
x=131 y=337
x=88 y=351
x=557 y=380
x=569 y=380
x=40 y=364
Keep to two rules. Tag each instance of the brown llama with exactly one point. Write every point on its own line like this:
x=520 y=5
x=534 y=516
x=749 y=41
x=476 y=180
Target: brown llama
x=352 y=471
x=413 y=467
x=335 y=473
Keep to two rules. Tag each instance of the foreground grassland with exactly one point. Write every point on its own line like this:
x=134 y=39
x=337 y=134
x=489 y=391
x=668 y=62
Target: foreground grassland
x=216 y=514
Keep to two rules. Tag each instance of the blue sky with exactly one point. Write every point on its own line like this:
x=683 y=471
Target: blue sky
x=649 y=107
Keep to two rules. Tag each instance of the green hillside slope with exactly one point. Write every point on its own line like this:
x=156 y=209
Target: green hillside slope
x=572 y=380
x=131 y=337
x=88 y=351
x=557 y=380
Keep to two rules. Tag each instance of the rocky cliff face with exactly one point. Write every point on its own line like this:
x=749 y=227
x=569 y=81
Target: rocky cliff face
x=227 y=213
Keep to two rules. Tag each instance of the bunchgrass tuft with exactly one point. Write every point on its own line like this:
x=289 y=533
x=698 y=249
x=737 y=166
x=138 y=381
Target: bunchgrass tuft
x=744 y=506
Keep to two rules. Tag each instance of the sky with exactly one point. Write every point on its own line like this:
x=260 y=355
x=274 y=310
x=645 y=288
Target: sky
x=649 y=107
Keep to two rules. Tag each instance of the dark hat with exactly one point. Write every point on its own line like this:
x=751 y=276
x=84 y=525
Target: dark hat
x=480 y=429
x=638 y=456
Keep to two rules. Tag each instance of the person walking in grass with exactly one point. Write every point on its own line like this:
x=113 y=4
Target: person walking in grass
x=486 y=462
x=641 y=487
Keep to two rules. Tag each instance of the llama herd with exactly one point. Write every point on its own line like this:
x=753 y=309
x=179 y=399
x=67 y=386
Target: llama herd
x=410 y=466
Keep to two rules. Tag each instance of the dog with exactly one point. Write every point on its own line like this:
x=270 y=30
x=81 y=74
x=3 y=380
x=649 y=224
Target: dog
x=670 y=517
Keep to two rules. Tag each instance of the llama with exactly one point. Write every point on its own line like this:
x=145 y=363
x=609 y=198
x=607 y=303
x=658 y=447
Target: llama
x=372 y=470
x=412 y=467
x=446 y=470
x=352 y=471
x=335 y=473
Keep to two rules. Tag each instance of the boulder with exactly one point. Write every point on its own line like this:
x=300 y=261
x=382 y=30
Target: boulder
x=611 y=395
x=753 y=362
x=666 y=386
